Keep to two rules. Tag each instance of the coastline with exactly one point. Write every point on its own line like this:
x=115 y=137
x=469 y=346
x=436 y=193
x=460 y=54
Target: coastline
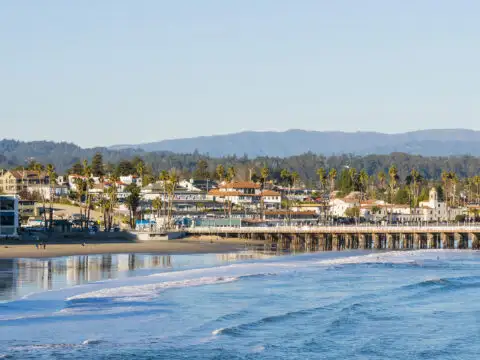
x=193 y=245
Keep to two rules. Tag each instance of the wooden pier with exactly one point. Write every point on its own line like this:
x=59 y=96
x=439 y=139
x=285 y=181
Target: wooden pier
x=336 y=238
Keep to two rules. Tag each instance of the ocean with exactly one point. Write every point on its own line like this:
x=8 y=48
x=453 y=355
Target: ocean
x=420 y=304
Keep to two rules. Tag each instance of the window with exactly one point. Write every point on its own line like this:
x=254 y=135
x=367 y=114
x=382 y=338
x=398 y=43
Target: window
x=7 y=204
x=7 y=219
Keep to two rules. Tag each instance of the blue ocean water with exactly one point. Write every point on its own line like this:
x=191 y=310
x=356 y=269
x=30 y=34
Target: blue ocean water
x=332 y=305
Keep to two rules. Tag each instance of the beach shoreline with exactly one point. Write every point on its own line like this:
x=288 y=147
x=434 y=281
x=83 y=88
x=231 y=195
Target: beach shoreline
x=193 y=245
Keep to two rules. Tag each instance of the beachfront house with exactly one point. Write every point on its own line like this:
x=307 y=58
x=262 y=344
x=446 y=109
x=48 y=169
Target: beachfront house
x=246 y=194
x=16 y=181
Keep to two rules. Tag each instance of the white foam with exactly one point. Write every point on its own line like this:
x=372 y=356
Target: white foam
x=127 y=293
x=217 y=331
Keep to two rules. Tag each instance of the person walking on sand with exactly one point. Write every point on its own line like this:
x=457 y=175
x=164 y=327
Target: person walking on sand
x=36 y=245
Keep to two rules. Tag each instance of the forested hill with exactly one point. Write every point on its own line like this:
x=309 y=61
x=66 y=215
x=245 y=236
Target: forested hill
x=442 y=142
x=64 y=155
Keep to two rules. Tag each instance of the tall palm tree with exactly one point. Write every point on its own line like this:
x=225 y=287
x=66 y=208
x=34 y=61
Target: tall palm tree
x=322 y=175
x=231 y=173
x=381 y=179
x=363 y=179
x=51 y=179
x=332 y=176
x=140 y=168
x=164 y=179
x=476 y=181
x=157 y=205
x=173 y=180
x=87 y=173
x=220 y=172
x=415 y=182
x=264 y=174
x=112 y=199
x=393 y=175
x=353 y=176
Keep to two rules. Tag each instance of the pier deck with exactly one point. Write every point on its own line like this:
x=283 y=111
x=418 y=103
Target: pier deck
x=353 y=237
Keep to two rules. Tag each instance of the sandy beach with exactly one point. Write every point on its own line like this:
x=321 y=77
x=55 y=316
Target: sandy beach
x=194 y=245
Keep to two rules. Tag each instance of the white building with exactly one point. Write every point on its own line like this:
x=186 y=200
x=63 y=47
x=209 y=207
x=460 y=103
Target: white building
x=131 y=179
x=47 y=191
x=247 y=194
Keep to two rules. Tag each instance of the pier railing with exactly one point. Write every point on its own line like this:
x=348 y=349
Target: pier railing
x=338 y=229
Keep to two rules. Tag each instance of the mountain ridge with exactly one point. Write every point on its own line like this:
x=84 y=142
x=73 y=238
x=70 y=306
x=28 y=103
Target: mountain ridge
x=441 y=142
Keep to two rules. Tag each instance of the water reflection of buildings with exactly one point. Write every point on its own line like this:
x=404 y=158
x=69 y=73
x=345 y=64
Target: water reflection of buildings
x=45 y=274
x=7 y=277
x=242 y=256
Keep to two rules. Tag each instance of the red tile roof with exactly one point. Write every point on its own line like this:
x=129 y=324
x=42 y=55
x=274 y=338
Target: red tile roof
x=241 y=185
x=270 y=193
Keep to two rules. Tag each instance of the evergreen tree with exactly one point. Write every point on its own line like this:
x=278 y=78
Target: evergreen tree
x=97 y=165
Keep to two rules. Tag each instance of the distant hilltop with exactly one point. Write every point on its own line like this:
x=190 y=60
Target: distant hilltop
x=439 y=142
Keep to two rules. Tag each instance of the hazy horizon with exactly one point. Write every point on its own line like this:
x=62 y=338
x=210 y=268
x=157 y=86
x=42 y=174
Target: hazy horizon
x=118 y=72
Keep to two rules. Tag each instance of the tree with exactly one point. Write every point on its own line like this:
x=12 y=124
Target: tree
x=140 y=170
x=172 y=183
x=201 y=171
x=97 y=165
x=77 y=169
x=52 y=180
x=125 y=168
x=231 y=173
x=363 y=180
x=164 y=179
x=332 y=175
x=220 y=172
x=381 y=179
x=264 y=174
x=132 y=201
x=353 y=212
x=295 y=177
x=414 y=182
x=393 y=176
x=157 y=205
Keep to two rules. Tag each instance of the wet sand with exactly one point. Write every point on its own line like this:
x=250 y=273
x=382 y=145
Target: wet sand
x=194 y=245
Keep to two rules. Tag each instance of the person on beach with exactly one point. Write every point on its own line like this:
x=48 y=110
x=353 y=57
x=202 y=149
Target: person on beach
x=36 y=245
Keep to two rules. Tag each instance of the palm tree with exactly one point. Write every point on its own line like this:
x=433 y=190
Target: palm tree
x=381 y=179
x=363 y=179
x=112 y=199
x=476 y=181
x=416 y=178
x=231 y=173
x=353 y=177
x=393 y=175
x=332 y=175
x=445 y=180
x=164 y=178
x=157 y=205
x=140 y=168
x=80 y=185
x=51 y=179
x=264 y=174
x=322 y=177
x=220 y=172
x=454 y=181
x=173 y=180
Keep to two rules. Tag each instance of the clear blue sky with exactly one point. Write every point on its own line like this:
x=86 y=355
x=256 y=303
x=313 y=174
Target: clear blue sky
x=108 y=72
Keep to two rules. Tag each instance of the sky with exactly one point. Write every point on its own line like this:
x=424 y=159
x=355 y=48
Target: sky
x=107 y=72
